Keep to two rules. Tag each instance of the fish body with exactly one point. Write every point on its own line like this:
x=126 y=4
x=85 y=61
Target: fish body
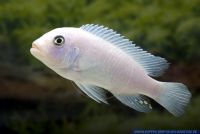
x=98 y=60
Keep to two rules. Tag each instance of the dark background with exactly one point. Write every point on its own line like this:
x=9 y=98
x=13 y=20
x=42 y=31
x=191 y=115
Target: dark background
x=35 y=100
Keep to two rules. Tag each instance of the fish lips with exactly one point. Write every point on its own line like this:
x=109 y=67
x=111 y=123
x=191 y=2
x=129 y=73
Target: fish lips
x=35 y=51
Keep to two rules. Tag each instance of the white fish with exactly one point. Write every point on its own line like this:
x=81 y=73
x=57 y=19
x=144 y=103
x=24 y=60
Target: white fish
x=98 y=60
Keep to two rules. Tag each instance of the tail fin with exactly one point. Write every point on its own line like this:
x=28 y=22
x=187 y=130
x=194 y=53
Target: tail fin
x=174 y=97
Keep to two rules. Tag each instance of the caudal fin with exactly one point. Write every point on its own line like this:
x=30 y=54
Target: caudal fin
x=174 y=97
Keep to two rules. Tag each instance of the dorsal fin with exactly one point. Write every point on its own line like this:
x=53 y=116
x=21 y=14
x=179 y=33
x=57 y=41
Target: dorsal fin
x=153 y=65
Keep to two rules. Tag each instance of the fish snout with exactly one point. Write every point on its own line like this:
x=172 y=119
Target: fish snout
x=36 y=50
x=35 y=45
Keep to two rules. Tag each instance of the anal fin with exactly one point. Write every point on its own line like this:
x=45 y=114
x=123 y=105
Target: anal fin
x=137 y=102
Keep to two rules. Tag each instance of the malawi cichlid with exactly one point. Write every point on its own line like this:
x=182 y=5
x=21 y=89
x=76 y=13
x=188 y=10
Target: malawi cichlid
x=99 y=60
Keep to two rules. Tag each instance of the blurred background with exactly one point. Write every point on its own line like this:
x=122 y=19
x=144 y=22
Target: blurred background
x=34 y=99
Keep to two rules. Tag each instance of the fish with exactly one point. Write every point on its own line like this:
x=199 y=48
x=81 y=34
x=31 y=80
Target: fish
x=100 y=60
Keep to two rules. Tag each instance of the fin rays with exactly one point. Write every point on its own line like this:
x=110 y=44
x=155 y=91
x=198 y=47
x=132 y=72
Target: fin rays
x=153 y=65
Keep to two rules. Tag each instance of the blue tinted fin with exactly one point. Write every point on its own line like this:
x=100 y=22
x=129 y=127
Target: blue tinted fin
x=174 y=97
x=71 y=56
x=153 y=65
x=137 y=102
x=94 y=92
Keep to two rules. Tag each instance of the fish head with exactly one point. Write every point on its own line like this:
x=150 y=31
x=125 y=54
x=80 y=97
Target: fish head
x=52 y=47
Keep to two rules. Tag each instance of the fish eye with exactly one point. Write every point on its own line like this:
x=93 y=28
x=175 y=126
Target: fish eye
x=59 y=40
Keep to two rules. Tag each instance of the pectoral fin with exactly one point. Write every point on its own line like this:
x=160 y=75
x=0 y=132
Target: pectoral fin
x=94 y=92
x=72 y=54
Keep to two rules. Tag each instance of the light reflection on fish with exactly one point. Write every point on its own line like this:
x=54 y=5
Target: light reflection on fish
x=99 y=60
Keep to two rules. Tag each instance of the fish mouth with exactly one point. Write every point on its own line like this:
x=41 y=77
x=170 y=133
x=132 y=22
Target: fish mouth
x=35 y=46
x=35 y=50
